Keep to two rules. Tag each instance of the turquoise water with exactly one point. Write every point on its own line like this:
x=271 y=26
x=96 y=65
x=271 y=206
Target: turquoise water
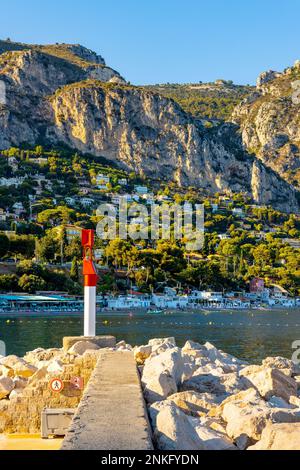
x=251 y=335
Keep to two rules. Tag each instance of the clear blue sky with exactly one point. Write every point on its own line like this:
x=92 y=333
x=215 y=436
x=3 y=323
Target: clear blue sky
x=156 y=41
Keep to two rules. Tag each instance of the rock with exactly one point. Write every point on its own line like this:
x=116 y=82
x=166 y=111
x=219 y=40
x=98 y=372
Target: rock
x=81 y=347
x=283 y=436
x=177 y=431
x=6 y=372
x=249 y=396
x=6 y=386
x=216 y=354
x=278 y=402
x=295 y=401
x=266 y=77
x=39 y=375
x=217 y=424
x=155 y=408
x=19 y=366
x=20 y=382
x=245 y=423
x=16 y=392
x=269 y=381
x=279 y=362
x=37 y=355
x=284 y=415
x=55 y=366
x=246 y=415
x=160 y=341
x=159 y=387
x=209 y=368
x=162 y=374
x=123 y=346
x=219 y=385
x=193 y=403
x=141 y=353
x=160 y=348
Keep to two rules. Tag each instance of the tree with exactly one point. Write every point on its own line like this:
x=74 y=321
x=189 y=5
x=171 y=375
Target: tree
x=31 y=283
x=47 y=248
x=74 y=271
x=4 y=244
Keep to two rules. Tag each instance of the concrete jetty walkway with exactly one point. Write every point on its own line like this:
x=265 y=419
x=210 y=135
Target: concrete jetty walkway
x=112 y=413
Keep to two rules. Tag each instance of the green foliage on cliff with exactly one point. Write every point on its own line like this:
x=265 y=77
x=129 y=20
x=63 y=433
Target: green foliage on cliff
x=213 y=101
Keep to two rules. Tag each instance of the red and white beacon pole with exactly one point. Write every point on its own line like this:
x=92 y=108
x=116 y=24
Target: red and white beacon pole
x=90 y=282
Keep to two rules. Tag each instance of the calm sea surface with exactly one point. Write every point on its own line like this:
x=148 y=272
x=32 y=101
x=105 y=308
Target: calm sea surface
x=250 y=335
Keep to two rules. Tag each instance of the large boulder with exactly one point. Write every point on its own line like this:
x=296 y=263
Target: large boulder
x=246 y=414
x=6 y=386
x=55 y=367
x=284 y=436
x=162 y=374
x=141 y=353
x=193 y=403
x=283 y=363
x=215 y=354
x=249 y=396
x=177 y=431
x=269 y=381
x=19 y=366
x=219 y=385
x=37 y=355
x=82 y=346
x=6 y=371
x=159 y=341
x=245 y=422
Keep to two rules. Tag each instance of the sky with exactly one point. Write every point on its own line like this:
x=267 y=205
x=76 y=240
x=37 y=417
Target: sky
x=160 y=41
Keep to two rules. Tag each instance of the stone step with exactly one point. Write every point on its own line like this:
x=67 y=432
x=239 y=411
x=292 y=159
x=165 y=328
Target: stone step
x=112 y=413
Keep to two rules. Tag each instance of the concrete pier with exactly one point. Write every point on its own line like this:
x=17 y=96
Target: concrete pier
x=112 y=413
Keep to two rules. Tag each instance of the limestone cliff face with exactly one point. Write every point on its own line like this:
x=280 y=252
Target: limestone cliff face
x=269 y=121
x=150 y=134
x=57 y=97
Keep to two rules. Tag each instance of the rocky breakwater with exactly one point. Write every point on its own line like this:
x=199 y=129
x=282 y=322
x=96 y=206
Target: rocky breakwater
x=25 y=384
x=200 y=398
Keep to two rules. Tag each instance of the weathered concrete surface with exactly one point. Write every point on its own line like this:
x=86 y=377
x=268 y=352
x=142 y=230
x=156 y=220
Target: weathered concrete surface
x=112 y=413
x=101 y=341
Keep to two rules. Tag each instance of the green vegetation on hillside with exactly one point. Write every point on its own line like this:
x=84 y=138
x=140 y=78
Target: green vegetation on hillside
x=207 y=100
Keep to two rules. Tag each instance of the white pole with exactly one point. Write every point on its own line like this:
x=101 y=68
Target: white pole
x=90 y=311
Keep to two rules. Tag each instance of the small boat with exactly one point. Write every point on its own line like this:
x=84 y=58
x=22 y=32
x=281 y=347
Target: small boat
x=155 y=312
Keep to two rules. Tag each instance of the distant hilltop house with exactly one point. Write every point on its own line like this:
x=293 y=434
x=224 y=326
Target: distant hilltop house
x=72 y=231
x=70 y=200
x=102 y=181
x=3 y=215
x=18 y=208
x=140 y=190
x=13 y=163
x=87 y=201
x=293 y=242
x=12 y=181
x=238 y=212
x=39 y=160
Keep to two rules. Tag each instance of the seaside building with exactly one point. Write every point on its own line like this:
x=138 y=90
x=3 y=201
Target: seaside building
x=128 y=301
x=102 y=181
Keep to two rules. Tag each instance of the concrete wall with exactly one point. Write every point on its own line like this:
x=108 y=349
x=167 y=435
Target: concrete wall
x=22 y=414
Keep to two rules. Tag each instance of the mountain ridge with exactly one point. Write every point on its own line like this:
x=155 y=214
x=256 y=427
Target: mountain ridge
x=92 y=109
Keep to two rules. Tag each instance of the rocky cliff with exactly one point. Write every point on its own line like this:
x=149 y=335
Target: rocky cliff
x=65 y=94
x=269 y=120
